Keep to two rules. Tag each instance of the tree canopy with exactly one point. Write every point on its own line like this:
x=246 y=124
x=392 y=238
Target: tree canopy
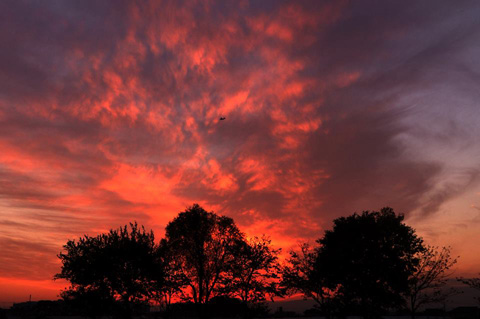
x=204 y=245
x=120 y=265
x=255 y=274
x=369 y=258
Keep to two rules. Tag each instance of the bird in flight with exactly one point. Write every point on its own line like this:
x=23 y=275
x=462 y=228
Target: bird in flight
x=222 y=118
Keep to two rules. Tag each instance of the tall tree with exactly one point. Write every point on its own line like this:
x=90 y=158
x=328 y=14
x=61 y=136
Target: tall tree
x=203 y=244
x=430 y=276
x=369 y=257
x=121 y=265
x=254 y=275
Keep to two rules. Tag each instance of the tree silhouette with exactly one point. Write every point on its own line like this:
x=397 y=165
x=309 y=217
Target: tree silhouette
x=302 y=274
x=172 y=277
x=121 y=265
x=430 y=276
x=254 y=275
x=369 y=257
x=203 y=244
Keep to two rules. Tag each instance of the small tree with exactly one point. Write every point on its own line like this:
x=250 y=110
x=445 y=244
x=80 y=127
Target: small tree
x=203 y=244
x=254 y=275
x=302 y=275
x=430 y=276
x=120 y=265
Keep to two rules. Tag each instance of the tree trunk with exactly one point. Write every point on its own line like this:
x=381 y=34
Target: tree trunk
x=413 y=306
x=246 y=314
x=126 y=311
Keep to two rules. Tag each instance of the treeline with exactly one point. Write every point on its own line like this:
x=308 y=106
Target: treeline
x=367 y=264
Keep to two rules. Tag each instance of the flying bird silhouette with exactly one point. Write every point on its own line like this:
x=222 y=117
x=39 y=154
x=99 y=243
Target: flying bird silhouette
x=222 y=118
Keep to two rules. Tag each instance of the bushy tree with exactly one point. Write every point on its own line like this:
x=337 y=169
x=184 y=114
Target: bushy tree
x=203 y=244
x=369 y=258
x=121 y=265
x=430 y=276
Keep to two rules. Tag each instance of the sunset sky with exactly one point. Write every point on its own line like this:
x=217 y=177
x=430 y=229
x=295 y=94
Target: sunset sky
x=109 y=113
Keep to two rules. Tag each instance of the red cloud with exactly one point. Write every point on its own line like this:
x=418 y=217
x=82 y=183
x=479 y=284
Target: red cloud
x=110 y=113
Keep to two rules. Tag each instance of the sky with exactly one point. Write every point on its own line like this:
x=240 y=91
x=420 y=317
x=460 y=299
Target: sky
x=109 y=113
